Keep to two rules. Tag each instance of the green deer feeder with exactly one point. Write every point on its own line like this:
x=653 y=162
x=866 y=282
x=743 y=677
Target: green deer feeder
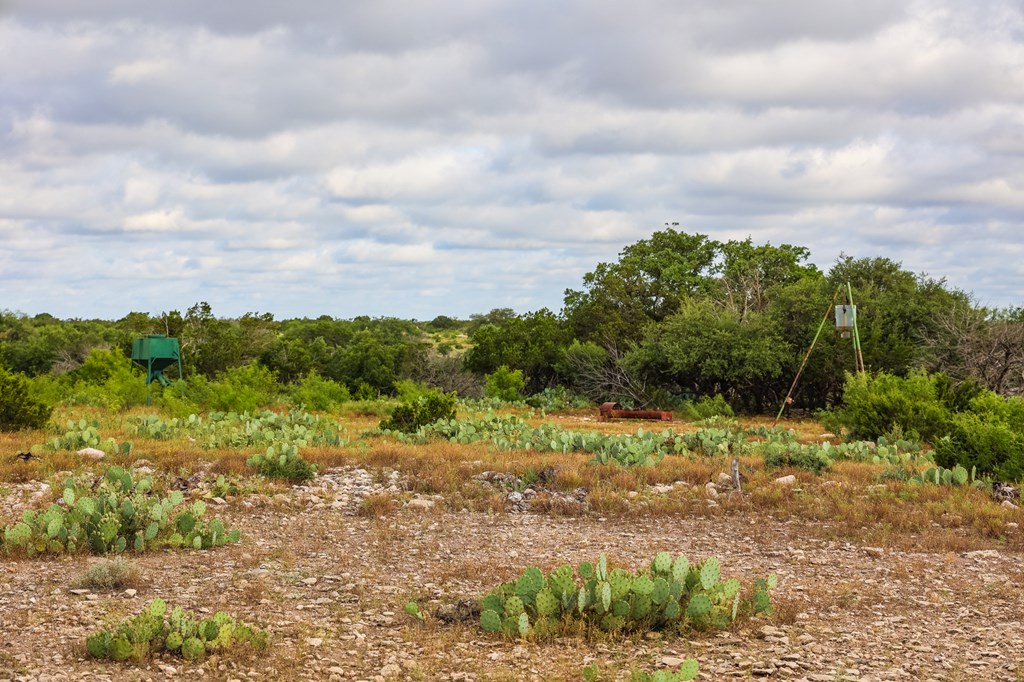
x=155 y=353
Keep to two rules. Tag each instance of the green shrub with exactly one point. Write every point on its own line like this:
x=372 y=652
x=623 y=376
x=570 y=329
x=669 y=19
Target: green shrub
x=990 y=446
x=427 y=409
x=18 y=410
x=318 y=393
x=874 y=404
x=505 y=384
x=244 y=389
x=706 y=407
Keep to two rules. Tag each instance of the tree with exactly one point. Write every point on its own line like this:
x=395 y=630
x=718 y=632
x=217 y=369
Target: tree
x=646 y=285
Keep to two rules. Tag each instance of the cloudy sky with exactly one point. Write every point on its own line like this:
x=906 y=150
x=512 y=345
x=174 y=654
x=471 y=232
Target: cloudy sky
x=395 y=157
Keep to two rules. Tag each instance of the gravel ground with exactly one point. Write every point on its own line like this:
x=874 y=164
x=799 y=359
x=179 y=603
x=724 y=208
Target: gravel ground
x=330 y=587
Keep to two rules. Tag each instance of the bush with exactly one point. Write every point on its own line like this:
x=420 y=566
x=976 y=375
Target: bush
x=421 y=411
x=707 y=407
x=873 y=405
x=318 y=393
x=110 y=574
x=244 y=389
x=992 y=446
x=505 y=384
x=17 y=408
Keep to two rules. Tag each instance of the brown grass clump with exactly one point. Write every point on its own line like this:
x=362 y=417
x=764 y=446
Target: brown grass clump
x=110 y=574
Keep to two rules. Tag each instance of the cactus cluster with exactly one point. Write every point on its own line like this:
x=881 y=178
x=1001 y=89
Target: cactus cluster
x=154 y=630
x=957 y=476
x=670 y=593
x=115 y=514
x=234 y=430
x=687 y=671
x=283 y=462
x=84 y=434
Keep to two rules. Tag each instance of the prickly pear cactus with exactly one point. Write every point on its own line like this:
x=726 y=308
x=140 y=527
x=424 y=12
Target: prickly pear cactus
x=547 y=604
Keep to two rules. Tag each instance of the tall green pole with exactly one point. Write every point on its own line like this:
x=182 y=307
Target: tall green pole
x=858 y=357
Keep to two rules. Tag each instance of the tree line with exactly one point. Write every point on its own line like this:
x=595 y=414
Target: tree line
x=676 y=317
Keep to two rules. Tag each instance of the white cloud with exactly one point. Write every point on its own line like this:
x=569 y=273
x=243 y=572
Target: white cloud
x=451 y=158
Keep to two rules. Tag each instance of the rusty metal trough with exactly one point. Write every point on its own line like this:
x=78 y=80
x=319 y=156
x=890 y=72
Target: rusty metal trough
x=615 y=411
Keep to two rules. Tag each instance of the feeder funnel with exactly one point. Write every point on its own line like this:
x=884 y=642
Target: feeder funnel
x=845 y=316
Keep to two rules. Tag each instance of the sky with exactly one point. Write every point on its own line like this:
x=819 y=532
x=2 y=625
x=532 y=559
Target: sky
x=413 y=159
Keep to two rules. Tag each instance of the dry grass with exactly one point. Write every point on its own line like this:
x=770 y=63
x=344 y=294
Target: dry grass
x=847 y=501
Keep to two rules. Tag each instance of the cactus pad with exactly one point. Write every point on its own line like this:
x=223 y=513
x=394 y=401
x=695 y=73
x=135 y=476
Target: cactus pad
x=709 y=573
x=662 y=562
x=490 y=621
x=513 y=607
x=174 y=641
x=529 y=584
x=700 y=605
x=523 y=624
x=606 y=595
x=730 y=588
x=493 y=602
x=602 y=567
x=672 y=610
x=586 y=570
x=642 y=585
x=687 y=671
x=620 y=582
x=680 y=567
x=547 y=604
x=661 y=591
x=641 y=606
x=193 y=649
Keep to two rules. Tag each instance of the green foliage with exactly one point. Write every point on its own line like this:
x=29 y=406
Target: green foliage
x=232 y=430
x=983 y=443
x=505 y=384
x=668 y=595
x=244 y=389
x=419 y=412
x=115 y=514
x=155 y=630
x=874 y=404
x=707 y=407
x=284 y=463
x=315 y=392
x=18 y=410
x=557 y=399
x=530 y=343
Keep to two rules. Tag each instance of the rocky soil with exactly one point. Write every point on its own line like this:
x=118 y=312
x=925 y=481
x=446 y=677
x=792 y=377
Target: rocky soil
x=330 y=587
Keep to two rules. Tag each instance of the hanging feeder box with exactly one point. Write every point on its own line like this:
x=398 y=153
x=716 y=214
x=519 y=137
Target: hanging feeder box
x=846 y=316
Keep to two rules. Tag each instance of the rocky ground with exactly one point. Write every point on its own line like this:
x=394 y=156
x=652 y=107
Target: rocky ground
x=330 y=587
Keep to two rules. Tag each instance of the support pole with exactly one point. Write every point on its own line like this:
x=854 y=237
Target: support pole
x=803 y=364
x=858 y=359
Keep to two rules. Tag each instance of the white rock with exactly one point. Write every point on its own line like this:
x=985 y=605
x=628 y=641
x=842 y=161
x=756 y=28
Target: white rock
x=711 y=489
x=92 y=453
x=420 y=503
x=1009 y=505
x=786 y=480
